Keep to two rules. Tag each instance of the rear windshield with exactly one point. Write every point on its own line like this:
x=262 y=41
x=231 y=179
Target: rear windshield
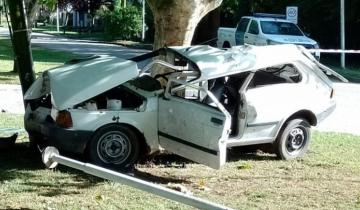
x=280 y=28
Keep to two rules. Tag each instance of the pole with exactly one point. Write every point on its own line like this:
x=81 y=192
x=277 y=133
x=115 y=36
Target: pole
x=342 y=31
x=57 y=18
x=51 y=158
x=1 y=10
x=21 y=43
x=143 y=21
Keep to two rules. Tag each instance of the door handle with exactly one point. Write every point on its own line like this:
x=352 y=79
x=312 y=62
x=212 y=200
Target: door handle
x=217 y=121
x=246 y=37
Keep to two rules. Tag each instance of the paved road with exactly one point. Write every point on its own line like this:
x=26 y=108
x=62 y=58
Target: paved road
x=79 y=46
x=346 y=117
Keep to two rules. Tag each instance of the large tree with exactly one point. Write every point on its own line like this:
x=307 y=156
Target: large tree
x=21 y=43
x=176 y=20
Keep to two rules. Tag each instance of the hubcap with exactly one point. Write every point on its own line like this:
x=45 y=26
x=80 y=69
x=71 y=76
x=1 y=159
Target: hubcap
x=114 y=147
x=296 y=140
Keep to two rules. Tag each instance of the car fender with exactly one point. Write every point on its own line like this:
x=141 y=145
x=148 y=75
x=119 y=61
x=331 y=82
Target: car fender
x=304 y=114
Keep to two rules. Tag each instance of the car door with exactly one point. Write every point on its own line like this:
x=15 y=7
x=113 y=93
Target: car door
x=252 y=33
x=192 y=129
x=240 y=31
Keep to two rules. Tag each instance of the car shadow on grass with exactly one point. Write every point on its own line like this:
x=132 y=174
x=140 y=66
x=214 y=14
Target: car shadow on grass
x=252 y=152
x=23 y=163
x=20 y=162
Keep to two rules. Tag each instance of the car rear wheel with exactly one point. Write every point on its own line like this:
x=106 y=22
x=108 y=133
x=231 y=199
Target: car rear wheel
x=114 y=146
x=293 y=141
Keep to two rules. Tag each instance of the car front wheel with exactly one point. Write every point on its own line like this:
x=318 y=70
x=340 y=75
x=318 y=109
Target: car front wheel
x=294 y=139
x=114 y=146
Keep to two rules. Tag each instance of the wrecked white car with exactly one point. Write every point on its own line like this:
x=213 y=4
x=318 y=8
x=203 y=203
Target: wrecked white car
x=113 y=111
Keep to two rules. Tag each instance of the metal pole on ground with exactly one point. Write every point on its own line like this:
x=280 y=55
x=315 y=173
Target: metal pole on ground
x=51 y=158
x=342 y=31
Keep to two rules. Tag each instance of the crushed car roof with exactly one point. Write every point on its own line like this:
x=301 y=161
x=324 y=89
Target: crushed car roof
x=213 y=62
x=73 y=84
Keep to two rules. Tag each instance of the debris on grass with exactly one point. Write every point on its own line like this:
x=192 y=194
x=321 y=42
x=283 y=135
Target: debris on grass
x=99 y=198
x=244 y=166
x=201 y=185
x=180 y=188
x=357 y=204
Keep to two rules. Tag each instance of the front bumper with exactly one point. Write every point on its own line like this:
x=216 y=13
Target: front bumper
x=64 y=139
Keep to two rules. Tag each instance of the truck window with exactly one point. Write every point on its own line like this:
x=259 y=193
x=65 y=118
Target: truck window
x=254 y=27
x=242 y=25
x=280 y=28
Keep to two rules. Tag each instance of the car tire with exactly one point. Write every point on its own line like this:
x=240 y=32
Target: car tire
x=293 y=141
x=36 y=140
x=226 y=45
x=114 y=146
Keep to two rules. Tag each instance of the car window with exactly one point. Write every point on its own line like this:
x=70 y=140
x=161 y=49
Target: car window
x=286 y=73
x=254 y=27
x=280 y=28
x=243 y=24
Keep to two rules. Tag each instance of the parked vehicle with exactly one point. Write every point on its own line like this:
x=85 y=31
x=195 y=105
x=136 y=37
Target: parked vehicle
x=113 y=111
x=264 y=29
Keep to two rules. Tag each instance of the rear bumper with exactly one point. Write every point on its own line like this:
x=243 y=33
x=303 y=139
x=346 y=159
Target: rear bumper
x=64 y=139
x=323 y=115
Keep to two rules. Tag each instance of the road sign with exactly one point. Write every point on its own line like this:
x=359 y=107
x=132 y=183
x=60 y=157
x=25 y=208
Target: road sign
x=292 y=14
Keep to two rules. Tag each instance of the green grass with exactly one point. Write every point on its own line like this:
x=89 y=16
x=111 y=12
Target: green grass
x=351 y=72
x=72 y=34
x=43 y=59
x=328 y=177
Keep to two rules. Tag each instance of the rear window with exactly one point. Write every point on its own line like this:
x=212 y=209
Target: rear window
x=254 y=27
x=280 y=28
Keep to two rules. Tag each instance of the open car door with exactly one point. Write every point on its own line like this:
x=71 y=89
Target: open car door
x=192 y=129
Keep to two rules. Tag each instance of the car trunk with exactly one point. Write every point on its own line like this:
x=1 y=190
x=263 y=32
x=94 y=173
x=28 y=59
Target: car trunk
x=72 y=84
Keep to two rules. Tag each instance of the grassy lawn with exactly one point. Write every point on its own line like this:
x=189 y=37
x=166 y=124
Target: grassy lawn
x=327 y=178
x=352 y=70
x=75 y=34
x=43 y=59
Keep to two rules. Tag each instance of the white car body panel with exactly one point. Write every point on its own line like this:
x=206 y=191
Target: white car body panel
x=36 y=89
x=290 y=39
x=72 y=84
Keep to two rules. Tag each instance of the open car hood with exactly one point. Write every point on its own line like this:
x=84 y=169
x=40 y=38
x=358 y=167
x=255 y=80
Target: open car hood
x=73 y=84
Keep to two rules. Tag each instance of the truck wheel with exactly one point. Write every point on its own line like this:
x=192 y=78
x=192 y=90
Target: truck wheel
x=114 y=146
x=226 y=45
x=294 y=139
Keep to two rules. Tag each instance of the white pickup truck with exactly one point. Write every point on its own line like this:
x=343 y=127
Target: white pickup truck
x=264 y=29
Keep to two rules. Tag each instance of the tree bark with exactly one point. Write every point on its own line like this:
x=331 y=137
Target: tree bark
x=175 y=20
x=21 y=43
x=31 y=7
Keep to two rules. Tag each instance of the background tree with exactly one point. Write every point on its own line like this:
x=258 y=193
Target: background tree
x=21 y=43
x=175 y=21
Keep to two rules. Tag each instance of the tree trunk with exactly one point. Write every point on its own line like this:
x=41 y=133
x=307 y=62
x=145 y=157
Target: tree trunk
x=175 y=20
x=21 y=43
